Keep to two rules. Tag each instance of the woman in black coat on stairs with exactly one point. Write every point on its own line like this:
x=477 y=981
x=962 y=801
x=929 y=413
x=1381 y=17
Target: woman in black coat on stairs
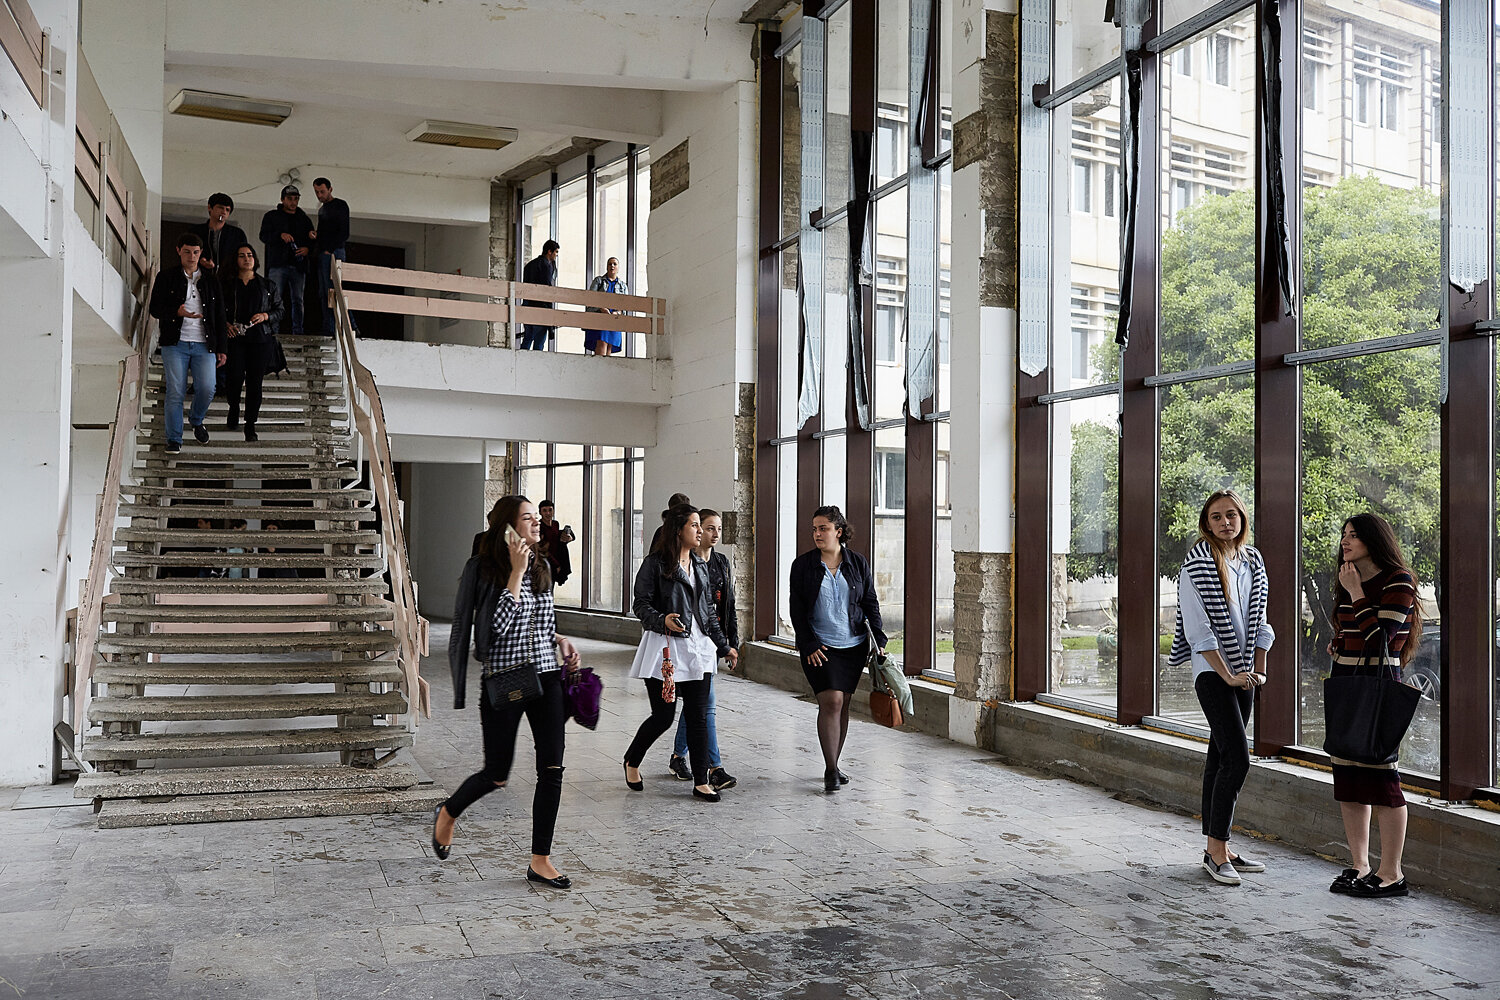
x=253 y=308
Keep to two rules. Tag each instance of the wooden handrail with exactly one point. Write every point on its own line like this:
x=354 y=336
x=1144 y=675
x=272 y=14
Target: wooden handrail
x=369 y=420
x=127 y=416
x=23 y=40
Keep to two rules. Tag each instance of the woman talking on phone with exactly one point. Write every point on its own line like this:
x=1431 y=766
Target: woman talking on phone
x=680 y=645
x=1221 y=628
x=833 y=604
x=508 y=576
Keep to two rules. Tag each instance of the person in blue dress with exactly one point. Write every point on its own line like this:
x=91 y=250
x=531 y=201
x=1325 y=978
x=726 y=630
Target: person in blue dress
x=606 y=342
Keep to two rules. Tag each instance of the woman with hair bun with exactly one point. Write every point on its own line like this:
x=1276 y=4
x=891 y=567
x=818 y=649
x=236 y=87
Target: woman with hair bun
x=833 y=606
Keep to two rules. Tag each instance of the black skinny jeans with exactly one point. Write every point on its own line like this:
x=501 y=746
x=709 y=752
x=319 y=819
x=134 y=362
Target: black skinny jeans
x=694 y=698
x=547 y=717
x=246 y=366
x=1227 y=710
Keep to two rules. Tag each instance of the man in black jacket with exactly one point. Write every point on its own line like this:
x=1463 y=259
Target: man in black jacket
x=287 y=233
x=189 y=307
x=540 y=270
x=332 y=235
x=221 y=238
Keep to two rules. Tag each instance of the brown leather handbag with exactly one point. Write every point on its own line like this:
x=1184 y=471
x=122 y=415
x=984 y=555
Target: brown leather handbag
x=884 y=708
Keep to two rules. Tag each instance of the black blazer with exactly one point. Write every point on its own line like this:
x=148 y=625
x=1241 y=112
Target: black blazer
x=864 y=603
x=657 y=596
x=168 y=295
x=473 y=613
x=241 y=301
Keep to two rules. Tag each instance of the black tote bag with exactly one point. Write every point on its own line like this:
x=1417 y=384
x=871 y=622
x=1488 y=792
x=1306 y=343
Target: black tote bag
x=1366 y=714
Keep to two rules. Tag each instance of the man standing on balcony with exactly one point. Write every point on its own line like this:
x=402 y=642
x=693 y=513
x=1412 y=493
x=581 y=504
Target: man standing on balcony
x=540 y=270
x=221 y=238
x=332 y=236
x=287 y=233
x=189 y=308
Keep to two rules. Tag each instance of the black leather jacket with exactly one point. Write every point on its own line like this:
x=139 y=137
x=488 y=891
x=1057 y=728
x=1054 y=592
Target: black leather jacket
x=241 y=301
x=475 y=605
x=807 y=579
x=657 y=596
x=168 y=295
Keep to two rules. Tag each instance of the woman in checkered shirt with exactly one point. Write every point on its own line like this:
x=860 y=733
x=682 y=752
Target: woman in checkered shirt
x=524 y=630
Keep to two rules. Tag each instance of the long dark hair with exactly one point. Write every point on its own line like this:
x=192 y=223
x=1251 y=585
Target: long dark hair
x=1379 y=539
x=840 y=523
x=1221 y=550
x=669 y=542
x=494 y=553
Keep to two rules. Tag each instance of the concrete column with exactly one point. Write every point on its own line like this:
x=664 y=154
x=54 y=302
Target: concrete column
x=985 y=276
x=499 y=472
x=502 y=247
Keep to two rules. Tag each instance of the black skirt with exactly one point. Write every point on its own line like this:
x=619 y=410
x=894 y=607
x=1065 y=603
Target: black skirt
x=840 y=672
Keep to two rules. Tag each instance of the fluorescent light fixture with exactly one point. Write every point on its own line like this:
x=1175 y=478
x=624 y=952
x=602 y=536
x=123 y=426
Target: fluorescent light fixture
x=461 y=135
x=228 y=108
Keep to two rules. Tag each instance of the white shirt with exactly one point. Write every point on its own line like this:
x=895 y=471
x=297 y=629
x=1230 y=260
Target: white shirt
x=192 y=329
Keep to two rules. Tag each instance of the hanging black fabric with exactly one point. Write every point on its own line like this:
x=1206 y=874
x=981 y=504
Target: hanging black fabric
x=860 y=145
x=927 y=106
x=1270 y=124
x=1131 y=141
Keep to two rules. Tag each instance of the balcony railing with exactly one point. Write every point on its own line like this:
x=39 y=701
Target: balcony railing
x=25 y=42
x=110 y=195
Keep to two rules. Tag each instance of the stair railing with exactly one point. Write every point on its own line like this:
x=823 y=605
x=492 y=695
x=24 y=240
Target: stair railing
x=121 y=434
x=374 y=444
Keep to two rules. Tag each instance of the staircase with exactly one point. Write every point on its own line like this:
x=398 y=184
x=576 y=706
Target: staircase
x=254 y=673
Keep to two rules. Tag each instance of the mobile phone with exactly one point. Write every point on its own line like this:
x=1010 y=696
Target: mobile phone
x=511 y=535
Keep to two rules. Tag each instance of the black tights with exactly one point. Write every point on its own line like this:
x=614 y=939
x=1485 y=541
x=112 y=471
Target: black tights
x=245 y=367
x=833 y=725
x=547 y=717
x=694 y=698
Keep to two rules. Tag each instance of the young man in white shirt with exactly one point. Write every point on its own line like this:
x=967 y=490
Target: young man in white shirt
x=189 y=307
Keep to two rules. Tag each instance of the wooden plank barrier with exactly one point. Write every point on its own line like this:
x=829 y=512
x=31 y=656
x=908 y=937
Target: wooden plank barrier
x=22 y=39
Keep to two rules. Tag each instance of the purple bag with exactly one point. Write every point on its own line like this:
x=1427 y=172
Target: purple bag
x=581 y=693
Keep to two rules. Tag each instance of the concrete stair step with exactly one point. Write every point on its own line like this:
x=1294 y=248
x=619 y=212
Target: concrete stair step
x=250 y=512
x=244 y=560
x=246 y=538
x=253 y=706
x=235 y=614
x=186 y=470
x=248 y=643
x=154 y=454
x=169 y=746
x=267 y=587
x=155 y=390
x=230 y=780
x=120 y=814
x=352 y=496
x=250 y=672
x=233 y=444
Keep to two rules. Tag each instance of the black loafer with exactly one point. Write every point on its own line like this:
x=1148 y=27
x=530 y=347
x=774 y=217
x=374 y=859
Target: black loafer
x=561 y=882
x=831 y=781
x=634 y=786
x=1370 y=887
x=843 y=778
x=705 y=796
x=1344 y=884
x=441 y=850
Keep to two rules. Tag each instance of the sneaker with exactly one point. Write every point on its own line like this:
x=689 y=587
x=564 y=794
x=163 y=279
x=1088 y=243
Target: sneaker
x=173 y=447
x=1245 y=864
x=679 y=768
x=720 y=779
x=201 y=433
x=1224 y=873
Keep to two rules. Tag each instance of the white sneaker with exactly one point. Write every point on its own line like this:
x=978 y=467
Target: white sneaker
x=1224 y=873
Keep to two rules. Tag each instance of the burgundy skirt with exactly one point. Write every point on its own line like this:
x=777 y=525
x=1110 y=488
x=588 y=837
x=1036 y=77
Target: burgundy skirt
x=1371 y=786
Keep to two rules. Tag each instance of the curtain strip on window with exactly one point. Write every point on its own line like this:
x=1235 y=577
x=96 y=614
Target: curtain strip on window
x=1270 y=124
x=860 y=263
x=921 y=213
x=1130 y=143
x=810 y=241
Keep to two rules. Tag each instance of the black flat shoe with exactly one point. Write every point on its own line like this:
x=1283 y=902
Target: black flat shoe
x=705 y=796
x=561 y=882
x=1344 y=884
x=441 y=850
x=1370 y=887
x=634 y=786
x=831 y=781
x=843 y=778
x=250 y=434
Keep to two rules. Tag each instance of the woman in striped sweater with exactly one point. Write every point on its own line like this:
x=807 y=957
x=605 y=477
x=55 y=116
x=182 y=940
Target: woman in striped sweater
x=1222 y=630
x=1375 y=600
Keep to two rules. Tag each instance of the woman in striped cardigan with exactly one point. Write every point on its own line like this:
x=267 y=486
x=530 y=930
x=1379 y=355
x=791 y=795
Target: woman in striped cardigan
x=1222 y=630
x=1375 y=603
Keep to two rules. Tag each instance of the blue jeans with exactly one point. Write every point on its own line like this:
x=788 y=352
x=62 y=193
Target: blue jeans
x=289 y=282
x=534 y=338
x=681 y=748
x=325 y=284
x=176 y=360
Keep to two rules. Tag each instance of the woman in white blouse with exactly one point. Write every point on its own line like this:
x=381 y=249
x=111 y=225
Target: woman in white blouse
x=1222 y=630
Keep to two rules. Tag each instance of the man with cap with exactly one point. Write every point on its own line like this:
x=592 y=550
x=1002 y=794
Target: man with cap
x=287 y=233
x=221 y=238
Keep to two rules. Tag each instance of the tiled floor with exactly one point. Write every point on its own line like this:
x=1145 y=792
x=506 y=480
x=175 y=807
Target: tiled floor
x=937 y=874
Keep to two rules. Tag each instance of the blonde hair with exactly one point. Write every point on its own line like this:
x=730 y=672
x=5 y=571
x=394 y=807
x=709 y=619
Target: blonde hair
x=1221 y=550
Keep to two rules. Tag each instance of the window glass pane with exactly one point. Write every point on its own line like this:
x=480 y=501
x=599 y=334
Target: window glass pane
x=836 y=112
x=790 y=322
x=572 y=262
x=791 y=140
x=892 y=139
x=640 y=284
x=568 y=453
x=606 y=534
x=945 y=279
x=568 y=496
x=1208 y=232
x=1207 y=444
x=1082 y=40
x=888 y=548
x=835 y=472
x=1370 y=443
x=835 y=325
x=1371 y=170
x=791 y=538
x=609 y=215
x=536 y=227
x=943 y=575
x=1086 y=249
x=1174 y=12
x=1085 y=545
x=638 y=537
x=889 y=361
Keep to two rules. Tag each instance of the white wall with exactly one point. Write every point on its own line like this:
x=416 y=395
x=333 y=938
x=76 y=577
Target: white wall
x=455 y=250
x=445 y=507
